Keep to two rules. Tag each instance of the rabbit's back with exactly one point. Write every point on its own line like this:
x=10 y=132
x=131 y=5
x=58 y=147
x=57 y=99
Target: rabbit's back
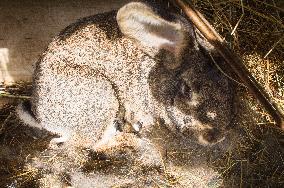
x=87 y=71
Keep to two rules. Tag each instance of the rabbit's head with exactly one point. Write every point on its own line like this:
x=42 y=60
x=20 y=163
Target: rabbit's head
x=195 y=94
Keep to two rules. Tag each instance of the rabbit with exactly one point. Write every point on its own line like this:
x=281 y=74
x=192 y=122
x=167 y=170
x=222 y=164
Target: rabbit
x=132 y=83
x=124 y=70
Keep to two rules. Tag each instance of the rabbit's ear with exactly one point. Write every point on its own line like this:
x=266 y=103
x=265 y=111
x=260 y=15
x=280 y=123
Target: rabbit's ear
x=140 y=22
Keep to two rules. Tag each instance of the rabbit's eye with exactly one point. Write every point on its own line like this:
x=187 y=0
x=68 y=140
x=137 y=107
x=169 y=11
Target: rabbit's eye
x=185 y=90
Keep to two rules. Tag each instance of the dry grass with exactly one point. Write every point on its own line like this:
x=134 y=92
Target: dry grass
x=254 y=29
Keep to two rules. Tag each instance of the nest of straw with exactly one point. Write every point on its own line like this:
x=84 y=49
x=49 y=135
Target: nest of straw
x=254 y=29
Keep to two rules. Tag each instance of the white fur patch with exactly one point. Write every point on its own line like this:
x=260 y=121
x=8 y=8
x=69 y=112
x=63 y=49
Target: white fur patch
x=26 y=117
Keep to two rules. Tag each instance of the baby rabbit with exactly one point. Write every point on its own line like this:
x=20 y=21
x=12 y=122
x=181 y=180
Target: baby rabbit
x=134 y=66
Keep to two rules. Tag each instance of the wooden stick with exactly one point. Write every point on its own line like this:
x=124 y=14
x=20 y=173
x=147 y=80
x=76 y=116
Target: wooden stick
x=233 y=61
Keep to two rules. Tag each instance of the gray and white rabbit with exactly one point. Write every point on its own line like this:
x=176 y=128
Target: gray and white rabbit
x=108 y=81
x=124 y=70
